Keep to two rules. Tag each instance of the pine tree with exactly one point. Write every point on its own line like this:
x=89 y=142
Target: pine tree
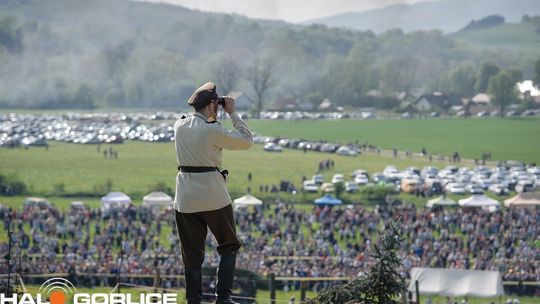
x=381 y=285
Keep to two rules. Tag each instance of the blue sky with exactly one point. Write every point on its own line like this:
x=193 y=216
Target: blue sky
x=288 y=10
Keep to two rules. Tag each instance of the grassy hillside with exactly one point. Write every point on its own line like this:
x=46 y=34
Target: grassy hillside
x=77 y=54
x=511 y=37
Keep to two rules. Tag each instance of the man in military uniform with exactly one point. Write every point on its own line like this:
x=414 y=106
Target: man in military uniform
x=202 y=200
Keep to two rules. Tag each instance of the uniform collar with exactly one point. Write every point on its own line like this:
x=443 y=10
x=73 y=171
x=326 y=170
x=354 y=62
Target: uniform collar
x=200 y=115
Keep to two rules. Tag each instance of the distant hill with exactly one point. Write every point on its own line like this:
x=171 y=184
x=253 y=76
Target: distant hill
x=446 y=15
x=484 y=23
x=522 y=37
x=122 y=54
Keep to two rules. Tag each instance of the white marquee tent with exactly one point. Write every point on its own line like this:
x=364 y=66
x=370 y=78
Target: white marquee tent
x=524 y=199
x=441 y=201
x=479 y=200
x=247 y=200
x=115 y=200
x=157 y=199
x=457 y=282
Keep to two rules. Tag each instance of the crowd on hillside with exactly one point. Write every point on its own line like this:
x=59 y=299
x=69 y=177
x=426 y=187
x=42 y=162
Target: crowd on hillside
x=277 y=238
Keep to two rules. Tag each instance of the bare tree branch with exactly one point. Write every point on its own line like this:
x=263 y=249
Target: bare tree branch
x=260 y=76
x=227 y=73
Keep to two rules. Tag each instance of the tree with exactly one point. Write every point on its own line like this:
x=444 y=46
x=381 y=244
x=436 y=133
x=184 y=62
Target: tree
x=461 y=80
x=260 y=77
x=382 y=285
x=515 y=74
x=536 y=79
x=487 y=70
x=501 y=88
x=84 y=98
x=339 y=188
x=399 y=75
x=10 y=35
x=227 y=73
x=116 y=59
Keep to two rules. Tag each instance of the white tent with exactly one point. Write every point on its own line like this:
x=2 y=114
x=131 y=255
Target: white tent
x=157 y=199
x=115 y=200
x=247 y=200
x=524 y=199
x=457 y=282
x=441 y=201
x=478 y=200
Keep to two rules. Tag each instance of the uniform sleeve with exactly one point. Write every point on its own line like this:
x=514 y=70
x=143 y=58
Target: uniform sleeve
x=238 y=139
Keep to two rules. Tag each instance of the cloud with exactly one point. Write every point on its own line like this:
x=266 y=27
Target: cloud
x=288 y=10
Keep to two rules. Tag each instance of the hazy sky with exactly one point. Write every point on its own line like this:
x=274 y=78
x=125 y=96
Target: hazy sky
x=289 y=10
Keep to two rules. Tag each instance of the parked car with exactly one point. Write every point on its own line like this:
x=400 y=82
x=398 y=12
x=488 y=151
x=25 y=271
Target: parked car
x=327 y=187
x=310 y=186
x=346 y=151
x=318 y=179
x=378 y=177
x=272 y=147
x=351 y=187
x=410 y=185
x=390 y=172
x=524 y=186
x=361 y=179
x=474 y=189
x=498 y=189
x=360 y=171
x=338 y=178
x=455 y=188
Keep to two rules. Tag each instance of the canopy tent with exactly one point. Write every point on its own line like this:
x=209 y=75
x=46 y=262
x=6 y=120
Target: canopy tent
x=457 y=282
x=478 y=200
x=115 y=200
x=247 y=200
x=328 y=200
x=157 y=199
x=441 y=201
x=524 y=199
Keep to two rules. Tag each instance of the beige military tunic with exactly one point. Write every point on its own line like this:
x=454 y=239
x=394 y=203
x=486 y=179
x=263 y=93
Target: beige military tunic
x=199 y=143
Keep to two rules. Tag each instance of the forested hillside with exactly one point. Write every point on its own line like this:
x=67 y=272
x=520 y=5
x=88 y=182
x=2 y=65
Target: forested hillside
x=118 y=53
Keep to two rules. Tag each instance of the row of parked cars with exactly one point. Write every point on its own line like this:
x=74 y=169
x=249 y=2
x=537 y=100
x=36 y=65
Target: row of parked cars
x=430 y=180
x=296 y=115
x=113 y=128
x=276 y=144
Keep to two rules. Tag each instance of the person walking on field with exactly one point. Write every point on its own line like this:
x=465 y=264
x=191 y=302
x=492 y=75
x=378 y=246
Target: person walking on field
x=201 y=199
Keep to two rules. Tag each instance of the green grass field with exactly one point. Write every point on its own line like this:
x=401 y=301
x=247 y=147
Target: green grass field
x=141 y=166
x=78 y=170
x=517 y=139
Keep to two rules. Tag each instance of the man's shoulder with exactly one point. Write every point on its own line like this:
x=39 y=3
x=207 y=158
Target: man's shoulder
x=195 y=122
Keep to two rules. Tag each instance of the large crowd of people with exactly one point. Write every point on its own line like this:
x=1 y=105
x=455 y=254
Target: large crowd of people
x=287 y=240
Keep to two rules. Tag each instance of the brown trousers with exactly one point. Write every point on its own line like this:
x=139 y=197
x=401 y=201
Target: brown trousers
x=192 y=229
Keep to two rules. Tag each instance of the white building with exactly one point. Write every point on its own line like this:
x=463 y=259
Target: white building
x=527 y=86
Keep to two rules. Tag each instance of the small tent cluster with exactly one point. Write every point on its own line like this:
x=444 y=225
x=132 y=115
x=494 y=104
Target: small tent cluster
x=522 y=199
x=118 y=200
